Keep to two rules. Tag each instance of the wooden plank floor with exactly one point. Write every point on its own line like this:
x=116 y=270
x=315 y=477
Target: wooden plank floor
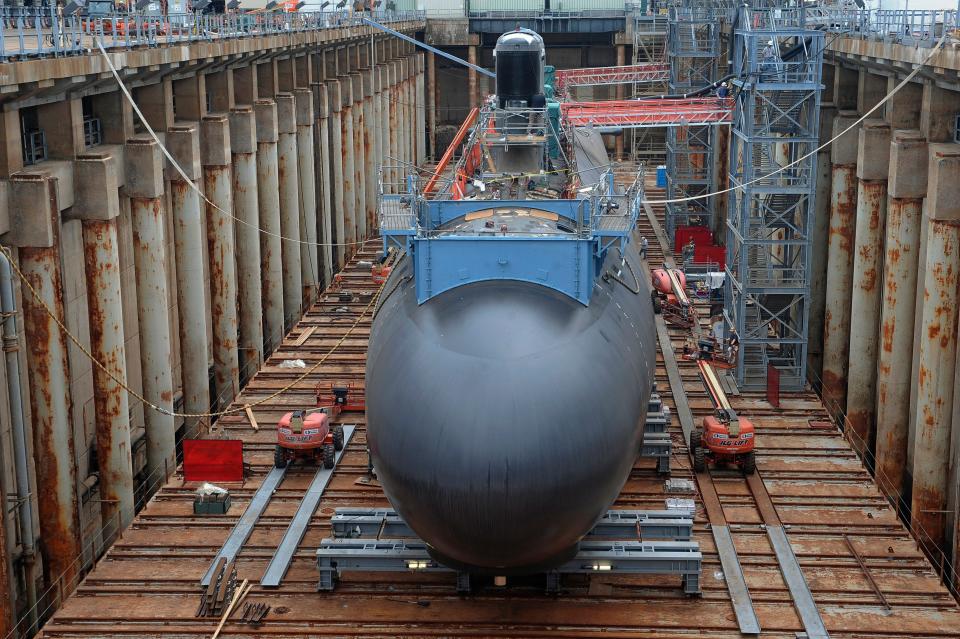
x=148 y=583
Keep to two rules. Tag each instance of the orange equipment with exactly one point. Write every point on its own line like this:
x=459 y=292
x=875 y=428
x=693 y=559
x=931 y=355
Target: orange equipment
x=307 y=435
x=669 y=296
x=709 y=349
x=725 y=437
x=337 y=397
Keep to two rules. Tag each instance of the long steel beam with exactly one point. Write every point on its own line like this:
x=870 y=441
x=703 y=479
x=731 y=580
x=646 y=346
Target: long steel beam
x=280 y=561
x=427 y=47
x=241 y=531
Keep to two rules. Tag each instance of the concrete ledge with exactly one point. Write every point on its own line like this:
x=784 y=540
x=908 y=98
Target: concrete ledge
x=97 y=195
x=844 y=149
x=873 y=150
x=908 y=165
x=215 y=140
x=144 y=168
x=34 y=212
x=266 y=113
x=943 y=185
x=183 y=143
x=243 y=130
x=286 y=113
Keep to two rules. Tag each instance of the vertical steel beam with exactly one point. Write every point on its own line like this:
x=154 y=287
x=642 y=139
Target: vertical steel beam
x=306 y=168
x=338 y=175
x=907 y=187
x=97 y=203
x=243 y=147
x=369 y=153
x=395 y=153
x=843 y=206
x=50 y=402
x=268 y=195
x=421 y=110
x=144 y=186
x=349 y=167
x=189 y=232
x=379 y=141
x=618 y=141
x=221 y=249
x=819 y=233
x=431 y=97
x=473 y=85
x=938 y=344
x=872 y=169
x=325 y=209
x=289 y=176
x=359 y=180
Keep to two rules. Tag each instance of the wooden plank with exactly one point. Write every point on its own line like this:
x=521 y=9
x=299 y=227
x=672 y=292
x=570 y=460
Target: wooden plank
x=253 y=420
x=304 y=336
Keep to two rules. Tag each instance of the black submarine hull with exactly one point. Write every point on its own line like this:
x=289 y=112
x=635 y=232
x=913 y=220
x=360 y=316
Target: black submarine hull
x=503 y=417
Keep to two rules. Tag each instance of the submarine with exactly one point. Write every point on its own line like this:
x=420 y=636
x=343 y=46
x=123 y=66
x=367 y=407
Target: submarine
x=512 y=352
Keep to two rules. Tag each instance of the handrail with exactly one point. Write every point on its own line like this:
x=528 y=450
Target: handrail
x=448 y=154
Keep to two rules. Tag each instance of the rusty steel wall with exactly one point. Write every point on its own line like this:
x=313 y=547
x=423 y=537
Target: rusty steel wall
x=158 y=287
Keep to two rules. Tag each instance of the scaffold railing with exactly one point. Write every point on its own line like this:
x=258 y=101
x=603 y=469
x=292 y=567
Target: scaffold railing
x=599 y=76
x=649 y=112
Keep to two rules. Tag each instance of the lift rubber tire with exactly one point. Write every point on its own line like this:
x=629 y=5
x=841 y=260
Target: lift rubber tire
x=338 y=437
x=656 y=302
x=749 y=463
x=696 y=439
x=329 y=457
x=279 y=460
x=699 y=460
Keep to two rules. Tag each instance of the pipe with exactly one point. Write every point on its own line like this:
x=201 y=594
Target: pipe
x=11 y=344
x=359 y=179
x=338 y=160
x=221 y=234
x=369 y=152
x=322 y=165
x=50 y=401
x=865 y=307
x=836 y=331
x=149 y=242
x=105 y=305
x=289 y=180
x=189 y=235
x=268 y=192
x=897 y=316
x=306 y=167
x=938 y=342
x=243 y=147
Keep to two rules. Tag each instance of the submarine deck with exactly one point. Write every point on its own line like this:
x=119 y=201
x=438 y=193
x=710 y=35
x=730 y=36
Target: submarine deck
x=865 y=572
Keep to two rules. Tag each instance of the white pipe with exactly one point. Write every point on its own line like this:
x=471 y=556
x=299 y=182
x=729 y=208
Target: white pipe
x=11 y=343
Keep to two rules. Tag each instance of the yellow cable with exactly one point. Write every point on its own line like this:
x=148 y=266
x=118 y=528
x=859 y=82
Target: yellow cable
x=122 y=384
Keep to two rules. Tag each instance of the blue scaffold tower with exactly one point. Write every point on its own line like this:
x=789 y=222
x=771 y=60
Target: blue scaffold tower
x=777 y=66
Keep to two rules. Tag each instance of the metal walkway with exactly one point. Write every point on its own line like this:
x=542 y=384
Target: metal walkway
x=635 y=114
x=644 y=73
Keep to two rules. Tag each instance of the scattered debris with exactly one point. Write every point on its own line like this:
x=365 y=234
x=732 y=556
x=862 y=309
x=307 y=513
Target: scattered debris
x=254 y=614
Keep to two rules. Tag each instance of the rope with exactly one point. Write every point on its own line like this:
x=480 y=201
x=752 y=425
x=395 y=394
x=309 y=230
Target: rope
x=823 y=146
x=122 y=384
x=183 y=175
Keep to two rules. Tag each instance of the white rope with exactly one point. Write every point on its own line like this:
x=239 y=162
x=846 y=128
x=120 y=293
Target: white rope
x=179 y=169
x=823 y=146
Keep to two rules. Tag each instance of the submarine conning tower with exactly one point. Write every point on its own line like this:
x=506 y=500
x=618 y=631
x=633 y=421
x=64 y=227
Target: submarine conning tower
x=520 y=56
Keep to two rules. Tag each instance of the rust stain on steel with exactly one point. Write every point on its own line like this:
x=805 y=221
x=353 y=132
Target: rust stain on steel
x=106 y=340
x=53 y=455
x=845 y=205
x=927 y=513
